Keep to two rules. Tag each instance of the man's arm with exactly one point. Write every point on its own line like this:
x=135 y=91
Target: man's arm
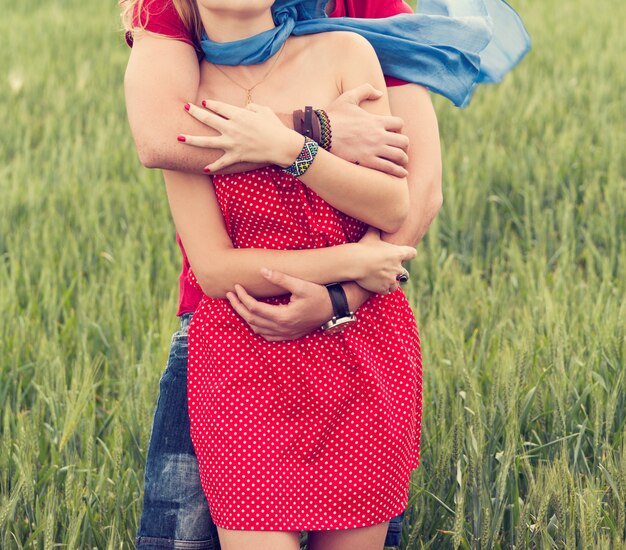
x=162 y=75
x=412 y=103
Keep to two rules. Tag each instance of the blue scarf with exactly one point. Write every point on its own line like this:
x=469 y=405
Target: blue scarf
x=449 y=46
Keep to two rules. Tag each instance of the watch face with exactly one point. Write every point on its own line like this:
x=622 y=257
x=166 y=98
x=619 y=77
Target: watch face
x=337 y=325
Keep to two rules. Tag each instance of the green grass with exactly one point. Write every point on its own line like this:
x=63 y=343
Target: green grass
x=518 y=289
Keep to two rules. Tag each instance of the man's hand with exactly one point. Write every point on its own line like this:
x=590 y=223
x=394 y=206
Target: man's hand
x=309 y=308
x=370 y=140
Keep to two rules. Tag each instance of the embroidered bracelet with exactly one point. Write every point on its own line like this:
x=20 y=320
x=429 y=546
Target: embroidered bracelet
x=304 y=160
x=326 y=137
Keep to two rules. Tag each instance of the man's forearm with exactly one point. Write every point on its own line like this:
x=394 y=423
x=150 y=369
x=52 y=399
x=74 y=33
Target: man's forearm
x=162 y=75
x=356 y=295
x=167 y=153
x=425 y=203
x=413 y=104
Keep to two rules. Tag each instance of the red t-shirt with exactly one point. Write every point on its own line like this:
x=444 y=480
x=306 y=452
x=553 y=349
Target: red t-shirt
x=161 y=17
x=372 y=9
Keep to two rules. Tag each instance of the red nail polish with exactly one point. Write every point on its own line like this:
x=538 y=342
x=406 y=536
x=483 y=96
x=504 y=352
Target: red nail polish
x=206 y=170
x=203 y=103
x=187 y=106
x=182 y=139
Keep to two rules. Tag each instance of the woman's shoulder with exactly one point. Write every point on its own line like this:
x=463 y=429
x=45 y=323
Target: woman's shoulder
x=338 y=54
x=344 y=44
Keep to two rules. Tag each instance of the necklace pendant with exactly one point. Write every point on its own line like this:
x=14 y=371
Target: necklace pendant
x=248 y=97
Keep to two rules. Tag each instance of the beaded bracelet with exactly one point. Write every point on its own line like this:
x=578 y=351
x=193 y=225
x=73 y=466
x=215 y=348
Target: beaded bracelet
x=326 y=138
x=304 y=160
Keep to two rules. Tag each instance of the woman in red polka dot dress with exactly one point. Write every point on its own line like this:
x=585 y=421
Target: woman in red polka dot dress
x=319 y=433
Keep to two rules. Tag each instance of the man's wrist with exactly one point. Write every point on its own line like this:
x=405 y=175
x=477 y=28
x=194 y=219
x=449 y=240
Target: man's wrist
x=314 y=124
x=287 y=120
x=356 y=295
x=328 y=311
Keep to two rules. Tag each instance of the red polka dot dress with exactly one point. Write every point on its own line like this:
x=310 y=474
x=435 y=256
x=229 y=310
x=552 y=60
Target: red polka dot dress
x=317 y=433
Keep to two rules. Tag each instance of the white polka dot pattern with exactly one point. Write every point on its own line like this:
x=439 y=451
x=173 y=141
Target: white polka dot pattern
x=314 y=434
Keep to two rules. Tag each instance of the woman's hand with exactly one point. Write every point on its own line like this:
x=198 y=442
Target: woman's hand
x=245 y=135
x=382 y=263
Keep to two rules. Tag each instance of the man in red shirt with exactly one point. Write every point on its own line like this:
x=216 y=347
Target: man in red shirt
x=163 y=74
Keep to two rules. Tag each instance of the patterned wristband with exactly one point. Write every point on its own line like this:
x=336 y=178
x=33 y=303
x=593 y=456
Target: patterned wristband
x=326 y=138
x=316 y=127
x=304 y=160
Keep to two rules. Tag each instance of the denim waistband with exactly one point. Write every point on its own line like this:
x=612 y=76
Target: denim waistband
x=185 y=319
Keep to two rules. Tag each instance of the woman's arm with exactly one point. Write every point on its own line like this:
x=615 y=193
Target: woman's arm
x=255 y=134
x=218 y=266
x=299 y=317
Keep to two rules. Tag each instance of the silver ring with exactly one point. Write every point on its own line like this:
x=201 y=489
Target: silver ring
x=403 y=277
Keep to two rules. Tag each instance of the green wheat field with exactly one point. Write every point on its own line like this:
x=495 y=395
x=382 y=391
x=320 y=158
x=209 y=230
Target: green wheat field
x=518 y=290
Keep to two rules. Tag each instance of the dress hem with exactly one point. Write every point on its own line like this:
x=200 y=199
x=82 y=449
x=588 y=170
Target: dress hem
x=356 y=525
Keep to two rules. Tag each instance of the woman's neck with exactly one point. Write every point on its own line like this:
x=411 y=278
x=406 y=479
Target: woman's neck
x=231 y=25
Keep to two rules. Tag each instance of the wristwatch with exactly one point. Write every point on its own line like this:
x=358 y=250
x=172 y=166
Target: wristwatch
x=343 y=317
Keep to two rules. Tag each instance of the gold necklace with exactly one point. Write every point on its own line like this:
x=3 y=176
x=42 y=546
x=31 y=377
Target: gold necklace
x=249 y=90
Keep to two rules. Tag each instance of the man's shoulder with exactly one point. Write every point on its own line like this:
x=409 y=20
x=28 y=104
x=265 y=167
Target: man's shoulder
x=161 y=17
x=373 y=9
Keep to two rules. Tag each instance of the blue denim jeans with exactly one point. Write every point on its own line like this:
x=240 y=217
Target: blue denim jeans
x=175 y=511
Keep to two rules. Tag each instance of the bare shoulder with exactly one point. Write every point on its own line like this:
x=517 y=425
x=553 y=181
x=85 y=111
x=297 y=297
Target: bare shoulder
x=344 y=43
x=355 y=61
x=348 y=44
x=343 y=57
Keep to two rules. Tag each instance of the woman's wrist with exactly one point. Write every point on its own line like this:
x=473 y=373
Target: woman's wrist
x=314 y=124
x=288 y=148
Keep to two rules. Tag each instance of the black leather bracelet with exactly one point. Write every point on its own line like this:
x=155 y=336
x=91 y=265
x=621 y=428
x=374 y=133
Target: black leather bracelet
x=338 y=299
x=343 y=317
x=308 y=122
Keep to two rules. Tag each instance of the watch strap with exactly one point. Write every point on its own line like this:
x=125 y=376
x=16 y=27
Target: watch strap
x=339 y=300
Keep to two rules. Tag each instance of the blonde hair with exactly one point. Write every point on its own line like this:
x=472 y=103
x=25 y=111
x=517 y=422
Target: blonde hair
x=187 y=10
